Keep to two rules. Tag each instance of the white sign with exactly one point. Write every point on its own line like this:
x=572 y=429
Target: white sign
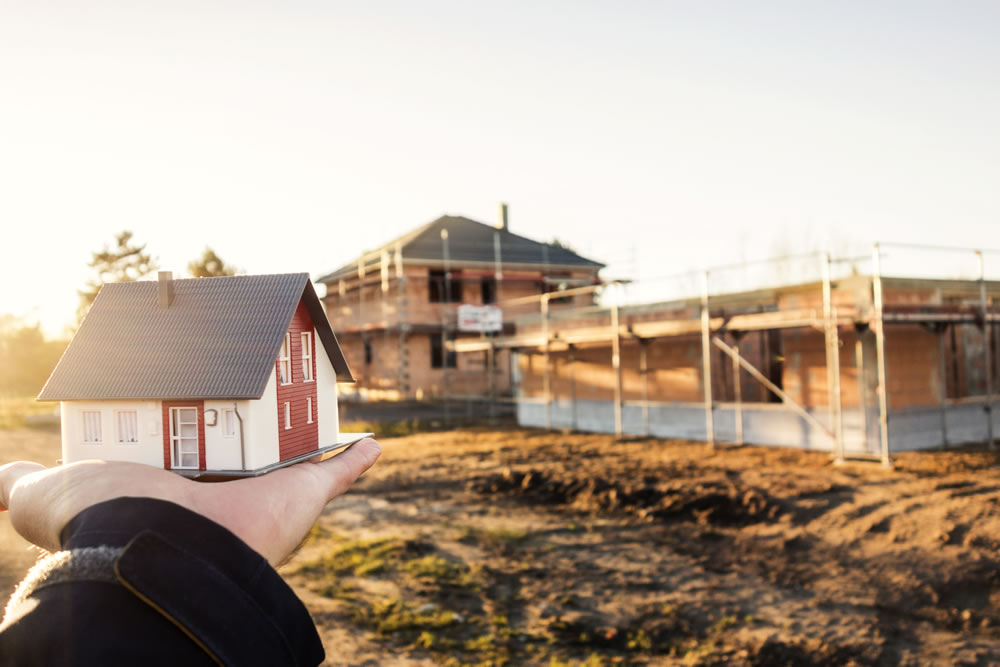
x=480 y=319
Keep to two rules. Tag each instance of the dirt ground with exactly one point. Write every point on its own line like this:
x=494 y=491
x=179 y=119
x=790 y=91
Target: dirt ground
x=527 y=547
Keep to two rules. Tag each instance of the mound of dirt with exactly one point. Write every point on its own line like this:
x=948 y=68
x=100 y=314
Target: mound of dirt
x=721 y=502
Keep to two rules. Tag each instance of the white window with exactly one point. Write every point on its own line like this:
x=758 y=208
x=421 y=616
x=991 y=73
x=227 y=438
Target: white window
x=288 y=416
x=128 y=427
x=228 y=423
x=307 y=356
x=285 y=360
x=184 y=437
x=92 y=426
x=309 y=410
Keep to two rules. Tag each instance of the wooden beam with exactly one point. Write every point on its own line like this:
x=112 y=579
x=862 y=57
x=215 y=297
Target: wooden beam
x=785 y=398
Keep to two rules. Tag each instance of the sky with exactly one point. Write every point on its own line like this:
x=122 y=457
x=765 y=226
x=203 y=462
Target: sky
x=657 y=137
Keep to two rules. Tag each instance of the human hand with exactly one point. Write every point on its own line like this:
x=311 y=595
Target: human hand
x=271 y=513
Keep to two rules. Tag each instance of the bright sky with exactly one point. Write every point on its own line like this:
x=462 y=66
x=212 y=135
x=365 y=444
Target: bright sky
x=656 y=136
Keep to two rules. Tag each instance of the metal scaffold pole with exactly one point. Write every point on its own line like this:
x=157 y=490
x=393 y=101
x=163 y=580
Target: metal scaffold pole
x=832 y=361
x=883 y=390
x=546 y=377
x=987 y=360
x=444 y=326
x=738 y=394
x=706 y=362
x=572 y=385
x=616 y=363
x=941 y=331
x=644 y=371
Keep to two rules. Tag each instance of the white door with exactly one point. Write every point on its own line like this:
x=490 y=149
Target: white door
x=184 y=437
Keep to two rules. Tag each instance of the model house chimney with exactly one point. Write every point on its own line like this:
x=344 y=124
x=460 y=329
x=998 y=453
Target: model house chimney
x=502 y=218
x=164 y=289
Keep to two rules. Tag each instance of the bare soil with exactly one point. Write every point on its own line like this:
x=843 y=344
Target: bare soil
x=579 y=549
x=529 y=547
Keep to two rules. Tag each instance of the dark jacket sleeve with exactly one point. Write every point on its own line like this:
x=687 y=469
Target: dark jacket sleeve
x=176 y=589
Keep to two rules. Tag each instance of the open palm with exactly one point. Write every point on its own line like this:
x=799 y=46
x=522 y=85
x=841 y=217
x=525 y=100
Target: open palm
x=271 y=513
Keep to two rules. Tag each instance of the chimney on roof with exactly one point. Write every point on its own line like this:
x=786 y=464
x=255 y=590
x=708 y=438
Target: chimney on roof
x=502 y=218
x=164 y=289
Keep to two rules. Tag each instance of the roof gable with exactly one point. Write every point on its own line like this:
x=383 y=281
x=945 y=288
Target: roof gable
x=218 y=339
x=472 y=241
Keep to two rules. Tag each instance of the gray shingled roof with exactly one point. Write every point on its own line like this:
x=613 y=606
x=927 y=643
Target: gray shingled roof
x=219 y=339
x=471 y=241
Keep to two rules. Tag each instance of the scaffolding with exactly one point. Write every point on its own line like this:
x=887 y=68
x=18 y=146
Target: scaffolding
x=842 y=299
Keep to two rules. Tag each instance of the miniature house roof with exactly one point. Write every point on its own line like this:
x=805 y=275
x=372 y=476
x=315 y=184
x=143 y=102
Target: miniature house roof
x=471 y=241
x=217 y=339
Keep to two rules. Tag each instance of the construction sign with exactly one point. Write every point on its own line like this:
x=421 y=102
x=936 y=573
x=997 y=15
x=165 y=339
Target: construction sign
x=479 y=319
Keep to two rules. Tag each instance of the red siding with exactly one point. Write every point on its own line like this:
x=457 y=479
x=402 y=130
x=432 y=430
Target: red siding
x=302 y=437
x=201 y=430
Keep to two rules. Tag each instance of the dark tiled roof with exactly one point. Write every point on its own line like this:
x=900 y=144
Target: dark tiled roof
x=471 y=241
x=218 y=339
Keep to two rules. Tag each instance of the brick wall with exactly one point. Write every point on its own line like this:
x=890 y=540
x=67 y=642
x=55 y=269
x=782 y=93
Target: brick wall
x=303 y=437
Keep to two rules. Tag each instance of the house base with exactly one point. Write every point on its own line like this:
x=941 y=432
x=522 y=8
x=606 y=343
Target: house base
x=345 y=440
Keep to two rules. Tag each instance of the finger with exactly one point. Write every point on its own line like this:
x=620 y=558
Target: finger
x=340 y=471
x=10 y=474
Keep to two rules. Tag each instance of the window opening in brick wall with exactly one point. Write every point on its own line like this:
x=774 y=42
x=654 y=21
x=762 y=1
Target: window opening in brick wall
x=438 y=357
x=441 y=290
x=488 y=289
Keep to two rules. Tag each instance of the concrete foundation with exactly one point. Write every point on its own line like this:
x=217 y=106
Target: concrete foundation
x=768 y=424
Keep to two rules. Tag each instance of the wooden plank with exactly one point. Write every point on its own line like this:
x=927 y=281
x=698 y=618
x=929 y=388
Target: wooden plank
x=785 y=398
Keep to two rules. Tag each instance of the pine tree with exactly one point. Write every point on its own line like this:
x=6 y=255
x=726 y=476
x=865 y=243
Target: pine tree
x=210 y=265
x=125 y=262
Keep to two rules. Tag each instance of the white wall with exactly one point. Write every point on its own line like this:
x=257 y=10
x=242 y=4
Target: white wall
x=260 y=422
x=221 y=452
x=148 y=450
x=326 y=398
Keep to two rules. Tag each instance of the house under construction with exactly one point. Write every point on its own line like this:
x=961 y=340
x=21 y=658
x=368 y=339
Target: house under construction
x=857 y=363
x=397 y=308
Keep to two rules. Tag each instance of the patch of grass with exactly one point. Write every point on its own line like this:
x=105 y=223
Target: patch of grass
x=356 y=557
x=437 y=569
x=393 y=615
x=593 y=660
x=639 y=641
x=317 y=534
x=722 y=624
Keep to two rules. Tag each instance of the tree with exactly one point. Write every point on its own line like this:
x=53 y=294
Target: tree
x=210 y=265
x=123 y=263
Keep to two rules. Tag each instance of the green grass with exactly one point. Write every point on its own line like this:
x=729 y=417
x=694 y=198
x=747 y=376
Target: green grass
x=393 y=615
x=357 y=557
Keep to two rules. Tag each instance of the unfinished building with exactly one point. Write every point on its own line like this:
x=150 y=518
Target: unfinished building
x=396 y=308
x=800 y=364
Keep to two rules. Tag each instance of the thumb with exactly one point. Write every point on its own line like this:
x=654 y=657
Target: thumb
x=9 y=476
x=340 y=471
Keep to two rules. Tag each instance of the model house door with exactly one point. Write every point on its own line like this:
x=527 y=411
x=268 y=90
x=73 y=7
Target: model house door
x=184 y=437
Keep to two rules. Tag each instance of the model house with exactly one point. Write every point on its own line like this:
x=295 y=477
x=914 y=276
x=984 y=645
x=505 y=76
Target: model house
x=397 y=307
x=231 y=375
